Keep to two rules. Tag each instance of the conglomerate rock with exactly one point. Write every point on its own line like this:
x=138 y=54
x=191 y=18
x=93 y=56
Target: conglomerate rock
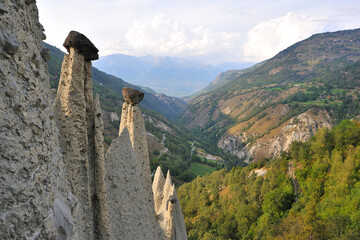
x=34 y=189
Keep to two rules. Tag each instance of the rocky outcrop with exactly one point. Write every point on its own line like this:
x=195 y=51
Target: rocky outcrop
x=79 y=122
x=299 y=128
x=167 y=207
x=132 y=119
x=54 y=183
x=131 y=203
x=131 y=214
x=34 y=192
x=157 y=123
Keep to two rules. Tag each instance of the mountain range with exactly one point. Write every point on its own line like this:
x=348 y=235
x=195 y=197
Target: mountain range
x=172 y=76
x=257 y=112
x=169 y=145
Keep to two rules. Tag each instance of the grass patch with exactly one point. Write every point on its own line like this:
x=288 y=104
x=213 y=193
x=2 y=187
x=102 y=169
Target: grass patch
x=335 y=91
x=200 y=169
x=276 y=89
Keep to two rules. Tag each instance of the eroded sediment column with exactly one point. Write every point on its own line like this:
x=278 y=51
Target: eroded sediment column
x=167 y=206
x=79 y=137
x=130 y=199
x=101 y=207
x=132 y=119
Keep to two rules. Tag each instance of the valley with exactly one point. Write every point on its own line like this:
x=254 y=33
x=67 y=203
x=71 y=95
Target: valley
x=213 y=120
x=169 y=144
x=256 y=113
x=243 y=115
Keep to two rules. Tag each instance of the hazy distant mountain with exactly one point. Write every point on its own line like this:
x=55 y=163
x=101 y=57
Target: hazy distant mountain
x=172 y=76
x=109 y=88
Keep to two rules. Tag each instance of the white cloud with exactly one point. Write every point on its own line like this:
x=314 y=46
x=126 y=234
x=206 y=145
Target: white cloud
x=268 y=38
x=162 y=35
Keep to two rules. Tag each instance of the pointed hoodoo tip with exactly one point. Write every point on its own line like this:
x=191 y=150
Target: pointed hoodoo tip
x=82 y=44
x=132 y=96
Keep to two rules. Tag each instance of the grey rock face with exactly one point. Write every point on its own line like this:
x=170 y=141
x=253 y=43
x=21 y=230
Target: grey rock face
x=81 y=43
x=53 y=177
x=30 y=157
x=3 y=7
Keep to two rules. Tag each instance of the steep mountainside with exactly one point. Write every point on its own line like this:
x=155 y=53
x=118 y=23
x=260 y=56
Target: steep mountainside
x=312 y=192
x=173 y=76
x=256 y=113
x=169 y=107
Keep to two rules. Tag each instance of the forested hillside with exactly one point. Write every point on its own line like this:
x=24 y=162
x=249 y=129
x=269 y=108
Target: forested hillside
x=311 y=192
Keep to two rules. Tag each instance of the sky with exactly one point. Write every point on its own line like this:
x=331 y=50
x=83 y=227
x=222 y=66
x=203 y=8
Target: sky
x=212 y=31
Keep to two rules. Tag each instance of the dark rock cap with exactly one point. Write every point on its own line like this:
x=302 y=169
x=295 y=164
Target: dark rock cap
x=82 y=44
x=132 y=96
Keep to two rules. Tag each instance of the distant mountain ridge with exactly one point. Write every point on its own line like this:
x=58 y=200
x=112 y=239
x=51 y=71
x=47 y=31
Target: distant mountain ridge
x=173 y=76
x=257 y=112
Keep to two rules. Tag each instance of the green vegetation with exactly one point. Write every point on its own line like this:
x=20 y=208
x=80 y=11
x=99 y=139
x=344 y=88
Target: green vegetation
x=200 y=169
x=322 y=202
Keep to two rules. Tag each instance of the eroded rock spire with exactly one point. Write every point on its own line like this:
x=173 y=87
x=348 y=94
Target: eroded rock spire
x=79 y=137
x=131 y=203
x=167 y=207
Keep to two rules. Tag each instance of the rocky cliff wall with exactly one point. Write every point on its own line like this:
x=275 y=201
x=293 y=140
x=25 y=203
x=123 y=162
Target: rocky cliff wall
x=53 y=177
x=299 y=128
x=33 y=189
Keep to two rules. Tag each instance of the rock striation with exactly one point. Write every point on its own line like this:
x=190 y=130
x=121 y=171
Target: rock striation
x=167 y=207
